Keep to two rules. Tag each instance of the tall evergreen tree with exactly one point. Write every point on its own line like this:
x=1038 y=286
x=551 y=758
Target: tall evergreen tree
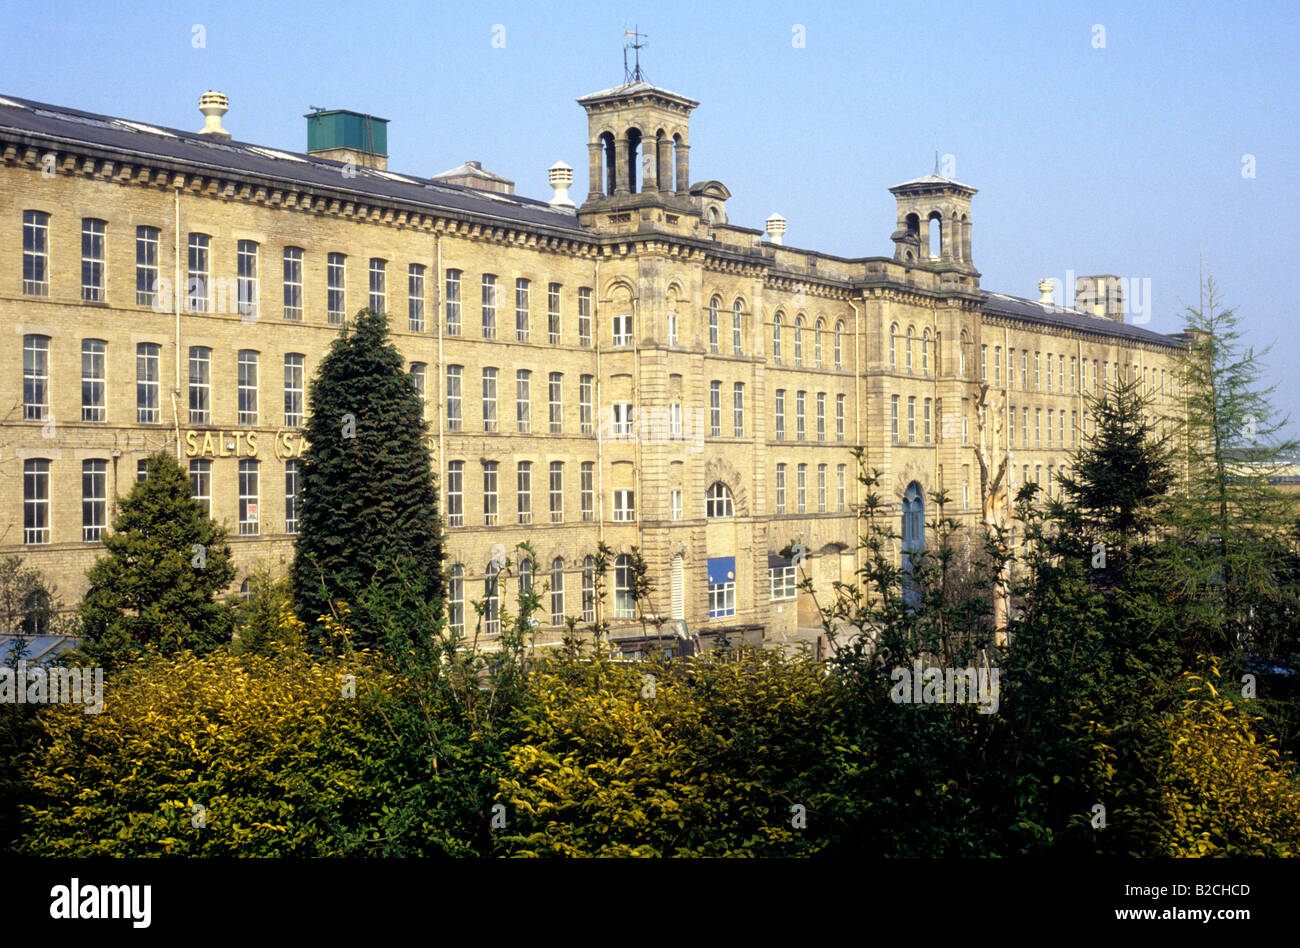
x=1227 y=520
x=1118 y=477
x=369 y=504
x=157 y=586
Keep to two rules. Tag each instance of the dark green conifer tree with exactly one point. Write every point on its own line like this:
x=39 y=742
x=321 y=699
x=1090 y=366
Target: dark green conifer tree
x=369 y=505
x=166 y=563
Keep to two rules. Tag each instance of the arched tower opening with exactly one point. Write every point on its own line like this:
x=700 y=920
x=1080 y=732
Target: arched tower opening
x=633 y=156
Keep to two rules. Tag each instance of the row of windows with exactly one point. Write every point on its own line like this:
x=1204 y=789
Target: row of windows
x=526 y=572
x=718 y=500
x=1154 y=380
x=622 y=416
x=928 y=414
x=454 y=493
x=455 y=418
x=148 y=406
x=94 y=399
x=800 y=416
x=720 y=590
x=778 y=334
x=204 y=293
x=1055 y=421
x=926 y=435
x=94 y=496
x=801 y=489
x=907 y=349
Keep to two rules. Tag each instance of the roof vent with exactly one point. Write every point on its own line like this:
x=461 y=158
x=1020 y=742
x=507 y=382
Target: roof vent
x=213 y=105
x=561 y=176
x=775 y=228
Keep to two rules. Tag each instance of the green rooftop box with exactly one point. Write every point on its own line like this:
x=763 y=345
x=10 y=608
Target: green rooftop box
x=339 y=128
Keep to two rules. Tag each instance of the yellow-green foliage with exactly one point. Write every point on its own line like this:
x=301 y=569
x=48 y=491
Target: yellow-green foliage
x=1224 y=791
x=269 y=746
x=701 y=758
x=1194 y=779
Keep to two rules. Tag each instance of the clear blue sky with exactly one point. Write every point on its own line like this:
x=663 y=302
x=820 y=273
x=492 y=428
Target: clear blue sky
x=1125 y=159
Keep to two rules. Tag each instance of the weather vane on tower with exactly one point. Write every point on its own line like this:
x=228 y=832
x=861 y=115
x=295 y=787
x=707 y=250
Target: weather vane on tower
x=634 y=74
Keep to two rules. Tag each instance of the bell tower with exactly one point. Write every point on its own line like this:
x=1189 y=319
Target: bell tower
x=934 y=220
x=638 y=146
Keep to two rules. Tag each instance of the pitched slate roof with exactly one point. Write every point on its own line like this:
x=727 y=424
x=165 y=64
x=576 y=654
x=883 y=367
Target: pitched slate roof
x=1050 y=315
x=137 y=141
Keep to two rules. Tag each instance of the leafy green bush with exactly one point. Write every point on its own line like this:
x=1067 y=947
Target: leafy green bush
x=721 y=756
x=211 y=755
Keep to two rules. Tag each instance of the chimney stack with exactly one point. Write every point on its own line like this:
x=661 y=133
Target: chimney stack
x=1045 y=288
x=213 y=105
x=1101 y=296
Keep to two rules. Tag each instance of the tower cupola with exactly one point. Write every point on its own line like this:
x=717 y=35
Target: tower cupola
x=934 y=221
x=638 y=146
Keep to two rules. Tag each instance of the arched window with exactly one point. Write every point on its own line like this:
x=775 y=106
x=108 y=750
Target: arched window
x=893 y=346
x=526 y=570
x=456 y=598
x=798 y=340
x=588 y=589
x=925 y=353
x=713 y=324
x=936 y=235
x=909 y=349
x=624 y=602
x=491 y=602
x=717 y=501
x=776 y=339
x=737 y=321
x=557 y=591
x=913 y=539
x=817 y=342
x=839 y=348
